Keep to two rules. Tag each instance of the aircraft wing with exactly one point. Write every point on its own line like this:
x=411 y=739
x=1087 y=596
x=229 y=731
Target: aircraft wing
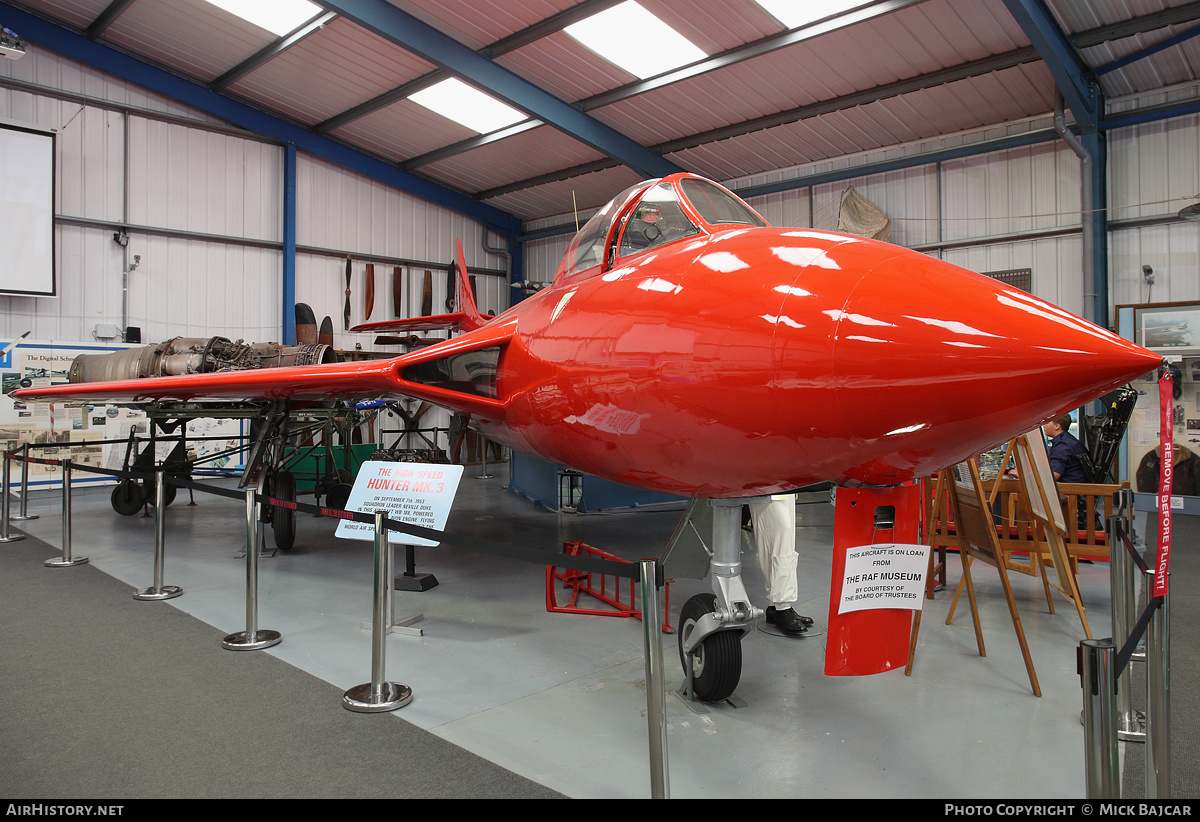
x=404 y=376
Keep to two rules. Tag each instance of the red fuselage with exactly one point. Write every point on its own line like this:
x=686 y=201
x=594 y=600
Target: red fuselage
x=757 y=360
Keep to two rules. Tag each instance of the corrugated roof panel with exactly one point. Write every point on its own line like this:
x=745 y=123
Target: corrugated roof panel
x=1015 y=93
x=971 y=29
x=563 y=67
x=334 y=69
x=843 y=62
x=1173 y=65
x=479 y=23
x=402 y=131
x=190 y=36
x=527 y=155
x=714 y=26
x=77 y=13
x=1076 y=16
x=586 y=193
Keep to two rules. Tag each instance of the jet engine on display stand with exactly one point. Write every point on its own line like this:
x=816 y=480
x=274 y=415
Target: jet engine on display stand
x=194 y=355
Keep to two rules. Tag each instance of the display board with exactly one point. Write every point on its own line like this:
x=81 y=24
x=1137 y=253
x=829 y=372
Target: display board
x=1173 y=330
x=78 y=432
x=26 y=210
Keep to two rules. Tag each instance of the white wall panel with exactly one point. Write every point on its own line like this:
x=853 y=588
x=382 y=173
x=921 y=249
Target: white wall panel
x=53 y=71
x=1171 y=250
x=189 y=288
x=340 y=211
x=180 y=178
x=193 y=180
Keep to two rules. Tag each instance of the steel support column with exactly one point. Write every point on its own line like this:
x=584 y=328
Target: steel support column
x=289 y=245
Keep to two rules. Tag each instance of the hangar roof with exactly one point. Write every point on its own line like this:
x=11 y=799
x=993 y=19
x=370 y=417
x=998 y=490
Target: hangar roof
x=765 y=97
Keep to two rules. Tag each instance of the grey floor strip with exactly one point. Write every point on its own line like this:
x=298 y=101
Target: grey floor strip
x=102 y=697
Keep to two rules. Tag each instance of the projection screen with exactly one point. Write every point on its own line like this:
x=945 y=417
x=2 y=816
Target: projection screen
x=26 y=210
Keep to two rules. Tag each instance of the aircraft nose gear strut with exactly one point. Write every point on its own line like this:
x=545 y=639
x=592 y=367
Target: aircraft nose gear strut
x=713 y=625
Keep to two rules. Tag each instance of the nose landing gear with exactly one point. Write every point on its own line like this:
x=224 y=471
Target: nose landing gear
x=712 y=625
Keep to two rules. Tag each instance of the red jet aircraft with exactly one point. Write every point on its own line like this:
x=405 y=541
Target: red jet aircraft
x=688 y=347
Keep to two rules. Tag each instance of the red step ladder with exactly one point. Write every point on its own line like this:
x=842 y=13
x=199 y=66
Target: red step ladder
x=609 y=591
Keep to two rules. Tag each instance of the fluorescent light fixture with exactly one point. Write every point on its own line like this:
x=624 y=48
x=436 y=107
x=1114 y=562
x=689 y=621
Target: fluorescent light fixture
x=467 y=106
x=635 y=40
x=797 y=13
x=276 y=16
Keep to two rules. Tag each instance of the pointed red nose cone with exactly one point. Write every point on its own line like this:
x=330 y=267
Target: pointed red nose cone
x=943 y=364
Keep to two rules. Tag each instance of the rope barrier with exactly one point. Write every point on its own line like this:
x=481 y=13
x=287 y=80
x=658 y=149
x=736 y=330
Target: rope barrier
x=463 y=541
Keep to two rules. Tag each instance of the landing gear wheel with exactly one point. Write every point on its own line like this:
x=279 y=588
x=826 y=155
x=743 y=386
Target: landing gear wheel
x=127 y=498
x=283 y=520
x=717 y=661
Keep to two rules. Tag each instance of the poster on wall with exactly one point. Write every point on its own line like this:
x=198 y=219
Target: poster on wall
x=1171 y=329
x=88 y=434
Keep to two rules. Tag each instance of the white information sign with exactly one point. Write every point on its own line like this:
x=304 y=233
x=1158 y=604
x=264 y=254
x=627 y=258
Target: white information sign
x=413 y=492
x=884 y=576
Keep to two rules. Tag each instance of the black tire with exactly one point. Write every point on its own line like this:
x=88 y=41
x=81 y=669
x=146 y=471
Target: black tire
x=717 y=661
x=168 y=492
x=338 y=495
x=283 y=520
x=127 y=498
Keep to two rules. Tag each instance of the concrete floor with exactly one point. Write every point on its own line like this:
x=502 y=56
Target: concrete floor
x=560 y=698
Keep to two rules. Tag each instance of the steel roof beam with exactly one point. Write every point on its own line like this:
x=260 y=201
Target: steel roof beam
x=514 y=41
x=1071 y=75
x=1146 y=52
x=107 y=17
x=110 y=61
x=444 y=51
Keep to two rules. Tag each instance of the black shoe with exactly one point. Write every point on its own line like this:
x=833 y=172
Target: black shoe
x=771 y=611
x=787 y=621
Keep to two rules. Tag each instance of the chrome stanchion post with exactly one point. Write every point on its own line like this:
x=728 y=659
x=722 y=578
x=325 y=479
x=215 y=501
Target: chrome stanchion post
x=656 y=686
x=378 y=695
x=4 y=505
x=24 y=509
x=1122 y=578
x=1158 y=704
x=66 y=560
x=484 y=443
x=158 y=590
x=1101 y=763
x=252 y=639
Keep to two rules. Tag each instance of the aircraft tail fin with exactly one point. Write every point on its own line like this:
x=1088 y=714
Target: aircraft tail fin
x=464 y=297
x=465 y=315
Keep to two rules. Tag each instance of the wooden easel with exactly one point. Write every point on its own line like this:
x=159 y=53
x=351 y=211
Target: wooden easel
x=1037 y=483
x=977 y=539
x=1038 y=495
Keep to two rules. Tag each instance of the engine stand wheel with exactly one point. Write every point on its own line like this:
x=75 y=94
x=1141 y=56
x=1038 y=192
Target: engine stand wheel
x=338 y=495
x=717 y=661
x=127 y=498
x=283 y=520
x=169 y=492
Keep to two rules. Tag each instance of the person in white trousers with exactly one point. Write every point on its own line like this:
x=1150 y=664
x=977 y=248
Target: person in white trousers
x=774 y=526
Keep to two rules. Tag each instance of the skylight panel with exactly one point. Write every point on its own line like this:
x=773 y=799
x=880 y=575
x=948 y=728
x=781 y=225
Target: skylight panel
x=797 y=13
x=467 y=106
x=634 y=39
x=276 y=16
